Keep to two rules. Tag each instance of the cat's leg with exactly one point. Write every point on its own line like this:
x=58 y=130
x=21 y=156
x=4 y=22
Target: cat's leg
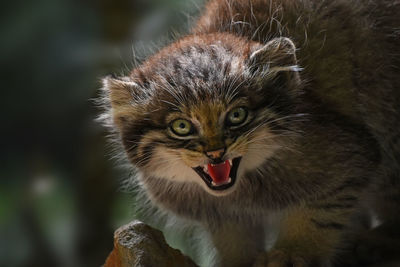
x=237 y=244
x=311 y=234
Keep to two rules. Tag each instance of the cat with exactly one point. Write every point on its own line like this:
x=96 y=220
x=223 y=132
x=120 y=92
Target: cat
x=269 y=109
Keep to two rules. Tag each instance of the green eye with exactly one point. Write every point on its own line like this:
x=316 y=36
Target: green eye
x=181 y=127
x=236 y=116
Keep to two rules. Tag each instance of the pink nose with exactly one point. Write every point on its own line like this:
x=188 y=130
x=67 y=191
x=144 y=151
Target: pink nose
x=216 y=153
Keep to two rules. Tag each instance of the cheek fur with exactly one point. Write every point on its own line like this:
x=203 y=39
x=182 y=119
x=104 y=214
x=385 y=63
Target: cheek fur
x=255 y=149
x=193 y=158
x=167 y=163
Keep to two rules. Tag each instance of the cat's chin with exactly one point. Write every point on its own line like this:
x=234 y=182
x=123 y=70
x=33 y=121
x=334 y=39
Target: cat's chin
x=219 y=187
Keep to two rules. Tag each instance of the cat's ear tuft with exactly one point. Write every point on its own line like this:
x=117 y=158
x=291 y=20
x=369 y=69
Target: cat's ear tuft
x=121 y=94
x=121 y=91
x=276 y=56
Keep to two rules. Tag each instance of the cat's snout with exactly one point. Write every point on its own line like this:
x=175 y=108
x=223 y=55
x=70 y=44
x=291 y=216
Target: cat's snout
x=216 y=154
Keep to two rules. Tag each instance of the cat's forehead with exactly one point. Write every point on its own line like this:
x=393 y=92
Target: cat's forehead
x=207 y=111
x=203 y=54
x=199 y=57
x=204 y=111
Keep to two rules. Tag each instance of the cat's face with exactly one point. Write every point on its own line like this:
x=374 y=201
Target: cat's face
x=205 y=111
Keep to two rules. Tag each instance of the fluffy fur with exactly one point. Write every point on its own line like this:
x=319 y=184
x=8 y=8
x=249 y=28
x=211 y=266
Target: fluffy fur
x=319 y=80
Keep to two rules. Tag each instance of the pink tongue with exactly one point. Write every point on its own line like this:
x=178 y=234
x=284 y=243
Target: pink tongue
x=219 y=172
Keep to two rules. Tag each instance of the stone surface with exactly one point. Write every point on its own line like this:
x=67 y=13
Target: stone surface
x=137 y=244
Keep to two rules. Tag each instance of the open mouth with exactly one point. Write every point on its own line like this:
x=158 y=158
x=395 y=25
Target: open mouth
x=219 y=176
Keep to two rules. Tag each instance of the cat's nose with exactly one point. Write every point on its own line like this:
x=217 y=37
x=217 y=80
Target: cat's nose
x=216 y=154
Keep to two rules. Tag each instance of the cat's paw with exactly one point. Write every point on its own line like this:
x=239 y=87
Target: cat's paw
x=278 y=258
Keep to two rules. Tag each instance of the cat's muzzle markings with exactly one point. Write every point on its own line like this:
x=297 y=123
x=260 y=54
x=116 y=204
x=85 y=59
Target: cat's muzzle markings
x=219 y=176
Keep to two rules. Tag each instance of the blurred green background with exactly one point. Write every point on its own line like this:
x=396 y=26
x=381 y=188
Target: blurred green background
x=60 y=197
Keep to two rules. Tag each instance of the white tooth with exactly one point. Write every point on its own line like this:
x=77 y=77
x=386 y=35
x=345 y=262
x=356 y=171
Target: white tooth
x=205 y=169
x=230 y=162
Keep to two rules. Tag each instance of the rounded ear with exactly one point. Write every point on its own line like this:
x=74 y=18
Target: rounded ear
x=121 y=91
x=276 y=56
x=121 y=94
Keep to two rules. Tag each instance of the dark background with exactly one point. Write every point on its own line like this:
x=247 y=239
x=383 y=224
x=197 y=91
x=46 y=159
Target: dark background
x=59 y=190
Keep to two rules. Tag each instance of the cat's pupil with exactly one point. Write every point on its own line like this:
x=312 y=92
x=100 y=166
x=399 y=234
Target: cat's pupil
x=236 y=114
x=182 y=125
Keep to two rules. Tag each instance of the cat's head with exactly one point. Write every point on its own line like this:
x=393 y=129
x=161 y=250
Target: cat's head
x=207 y=109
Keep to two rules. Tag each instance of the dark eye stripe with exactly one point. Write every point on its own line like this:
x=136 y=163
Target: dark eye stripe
x=134 y=133
x=147 y=150
x=243 y=129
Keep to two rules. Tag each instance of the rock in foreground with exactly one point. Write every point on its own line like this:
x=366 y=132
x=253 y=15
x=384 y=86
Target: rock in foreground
x=137 y=244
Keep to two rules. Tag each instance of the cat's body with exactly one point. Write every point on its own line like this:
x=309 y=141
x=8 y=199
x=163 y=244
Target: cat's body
x=309 y=147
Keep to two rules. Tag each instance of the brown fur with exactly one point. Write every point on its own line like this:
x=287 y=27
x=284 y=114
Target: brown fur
x=318 y=144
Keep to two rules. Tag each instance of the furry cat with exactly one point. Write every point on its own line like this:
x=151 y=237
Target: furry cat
x=275 y=109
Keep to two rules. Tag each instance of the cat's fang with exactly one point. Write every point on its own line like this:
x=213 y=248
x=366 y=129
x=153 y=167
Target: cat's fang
x=205 y=169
